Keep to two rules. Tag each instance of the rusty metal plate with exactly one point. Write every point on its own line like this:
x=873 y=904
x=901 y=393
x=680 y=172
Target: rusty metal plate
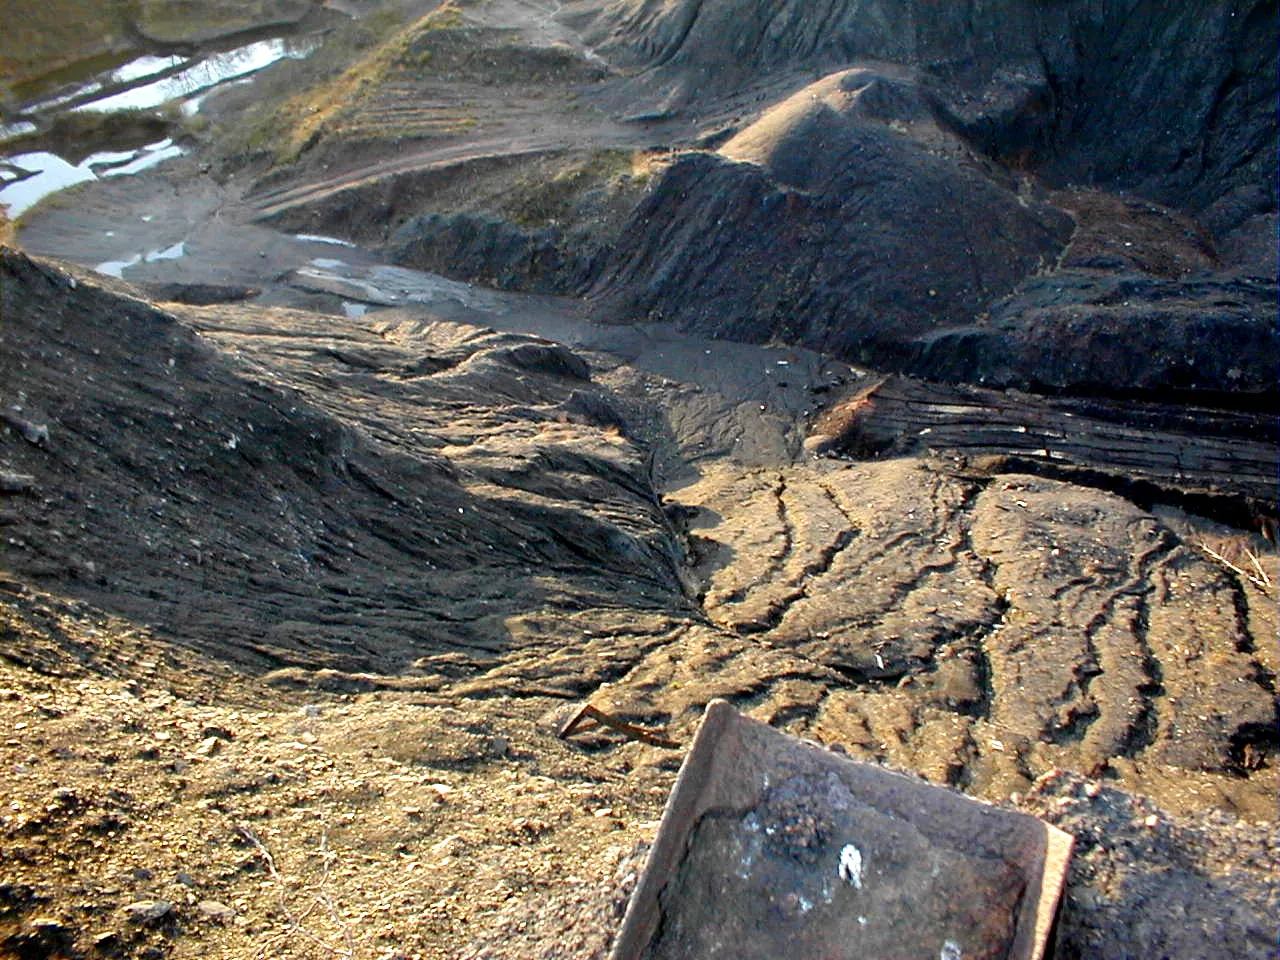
x=773 y=847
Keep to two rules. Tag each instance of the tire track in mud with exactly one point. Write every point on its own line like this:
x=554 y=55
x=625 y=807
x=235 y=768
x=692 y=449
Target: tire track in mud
x=1068 y=597
x=839 y=542
x=798 y=584
x=1135 y=730
x=1102 y=659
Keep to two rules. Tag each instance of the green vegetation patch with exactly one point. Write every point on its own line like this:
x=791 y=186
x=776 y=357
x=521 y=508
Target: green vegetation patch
x=346 y=72
x=42 y=36
x=557 y=196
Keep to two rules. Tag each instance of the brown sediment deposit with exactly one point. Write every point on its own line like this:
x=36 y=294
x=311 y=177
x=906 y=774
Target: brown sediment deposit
x=907 y=381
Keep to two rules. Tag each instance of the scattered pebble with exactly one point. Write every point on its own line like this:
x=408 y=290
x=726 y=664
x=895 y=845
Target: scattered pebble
x=147 y=912
x=215 y=910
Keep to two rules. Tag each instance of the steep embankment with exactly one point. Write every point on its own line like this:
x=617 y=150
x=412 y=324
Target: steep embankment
x=885 y=204
x=281 y=489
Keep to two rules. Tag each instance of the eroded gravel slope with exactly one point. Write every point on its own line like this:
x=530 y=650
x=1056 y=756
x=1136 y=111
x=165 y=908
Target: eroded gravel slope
x=321 y=732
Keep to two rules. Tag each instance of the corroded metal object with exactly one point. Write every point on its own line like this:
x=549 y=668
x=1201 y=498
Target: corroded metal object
x=587 y=718
x=770 y=846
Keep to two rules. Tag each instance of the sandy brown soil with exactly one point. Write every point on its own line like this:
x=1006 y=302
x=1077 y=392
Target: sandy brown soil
x=292 y=601
x=188 y=710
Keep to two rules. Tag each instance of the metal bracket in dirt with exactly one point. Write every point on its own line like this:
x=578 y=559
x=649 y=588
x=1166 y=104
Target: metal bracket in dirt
x=588 y=717
x=773 y=847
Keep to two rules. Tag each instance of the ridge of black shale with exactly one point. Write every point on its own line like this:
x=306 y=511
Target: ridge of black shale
x=441 y=452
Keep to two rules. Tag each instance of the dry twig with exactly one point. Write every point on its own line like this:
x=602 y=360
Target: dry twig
x=1263 y=582
x=295 y=926
x=1257 y=565
x=588 y=717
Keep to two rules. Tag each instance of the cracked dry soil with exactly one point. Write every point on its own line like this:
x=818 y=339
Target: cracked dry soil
x=292 y=605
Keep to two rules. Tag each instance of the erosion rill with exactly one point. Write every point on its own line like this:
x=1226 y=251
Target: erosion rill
x=904 y=376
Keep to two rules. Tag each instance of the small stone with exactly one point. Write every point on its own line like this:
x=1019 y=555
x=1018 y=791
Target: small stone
x=818 y=444
x=1151 y=822
x=105 y=942
x=215 y=910
x=450 y=846
x=209 y=746
x=148 y=911
x=603 y=812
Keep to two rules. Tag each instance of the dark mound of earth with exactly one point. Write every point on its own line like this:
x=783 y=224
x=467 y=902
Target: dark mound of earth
x=425 y=483
x=1171 y=100
x=904 y=194
x=821 y=224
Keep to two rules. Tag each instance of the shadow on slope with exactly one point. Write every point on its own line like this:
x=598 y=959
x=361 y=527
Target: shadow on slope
x=292 y=490
x=1171 y=100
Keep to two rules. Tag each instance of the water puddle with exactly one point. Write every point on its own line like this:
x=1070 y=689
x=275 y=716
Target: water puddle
x=199 y=77
x=175 y=252
x=141 y=84
x=316 y=238
x=145 y=158
x=116 y=268
x=30 y=177
x=146 y=66
x=191 y=106
x=387 y=286
x=40 y=174
x=10 y=130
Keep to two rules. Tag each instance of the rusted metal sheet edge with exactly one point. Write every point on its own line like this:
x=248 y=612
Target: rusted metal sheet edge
x=689 y=799
x=682 y=811
x=1057 y=860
